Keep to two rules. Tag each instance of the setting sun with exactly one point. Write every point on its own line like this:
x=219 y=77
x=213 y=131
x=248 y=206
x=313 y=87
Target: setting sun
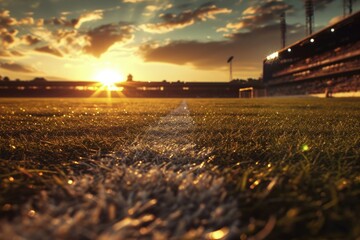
x=109 y=77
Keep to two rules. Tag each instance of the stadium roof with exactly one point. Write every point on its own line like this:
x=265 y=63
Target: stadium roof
x=326 y=34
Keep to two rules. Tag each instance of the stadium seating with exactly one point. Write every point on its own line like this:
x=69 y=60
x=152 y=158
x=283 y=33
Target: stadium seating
x=331 y=55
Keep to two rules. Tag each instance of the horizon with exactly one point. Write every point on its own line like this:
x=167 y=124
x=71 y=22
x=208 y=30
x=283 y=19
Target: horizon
x=151 y=41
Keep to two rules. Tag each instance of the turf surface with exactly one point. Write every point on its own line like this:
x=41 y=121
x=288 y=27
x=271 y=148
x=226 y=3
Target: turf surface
x=276 y=168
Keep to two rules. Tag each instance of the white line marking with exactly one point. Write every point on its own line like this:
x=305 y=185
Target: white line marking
x=164 y=192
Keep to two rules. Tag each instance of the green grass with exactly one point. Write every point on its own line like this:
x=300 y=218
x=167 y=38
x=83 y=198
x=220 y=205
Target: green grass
x=308 y=148
x=289 y=162
x=50 y=135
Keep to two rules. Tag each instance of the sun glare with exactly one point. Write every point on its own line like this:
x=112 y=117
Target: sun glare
x=109 y=78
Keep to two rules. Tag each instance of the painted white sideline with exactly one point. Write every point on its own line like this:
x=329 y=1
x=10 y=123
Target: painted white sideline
x=172 y=137
x=164 y=192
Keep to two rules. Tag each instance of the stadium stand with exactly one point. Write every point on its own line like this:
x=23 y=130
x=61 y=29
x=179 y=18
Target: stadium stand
x=325 y=62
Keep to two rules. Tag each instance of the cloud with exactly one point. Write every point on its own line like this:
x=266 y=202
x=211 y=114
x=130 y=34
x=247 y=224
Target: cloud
x=7 y=32
x=49 y=50
x=103 y=37
x=75 y=22
x=26 y=21
x=13 y=53
x=8 y=37
x=87 y=17
x=40 y=22
x=8 y=28
x=153 y=8
x=246 y=47
x=61 y=21
x=336 y=20
x=259 y=15
x=73 y=42
x=184 y=19
x=15 y=67
x=5 y=53
x=6 y=20
x=30 y=40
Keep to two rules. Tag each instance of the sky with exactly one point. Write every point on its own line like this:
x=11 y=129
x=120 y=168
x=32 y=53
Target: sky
x=186 y=40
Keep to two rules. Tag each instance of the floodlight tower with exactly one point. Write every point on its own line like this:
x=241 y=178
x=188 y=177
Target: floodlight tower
x=309 y=8
x=347 y=7
x=283 y=29
x=230 y=60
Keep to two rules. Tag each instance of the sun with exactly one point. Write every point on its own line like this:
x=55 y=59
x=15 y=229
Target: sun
x=108 y=78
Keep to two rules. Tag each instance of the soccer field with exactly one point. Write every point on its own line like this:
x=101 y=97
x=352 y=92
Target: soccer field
x=286 y=168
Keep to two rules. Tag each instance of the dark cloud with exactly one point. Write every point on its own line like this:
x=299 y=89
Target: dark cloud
x=246 y=47
x=15 y=67
x=30 y=40
x=6 y=20
x=103 y=37
x=75 y=22
x=7 y=32
x=184 y=19
x=15 y=53
x=8 y=37
x=61 y=21
x=49 y=50
x=261 y=14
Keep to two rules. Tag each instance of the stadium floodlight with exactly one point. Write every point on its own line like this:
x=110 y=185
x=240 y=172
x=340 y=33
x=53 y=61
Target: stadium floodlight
x=272 y=56
x=230 y=60
x=312 y=40
x=332 y=29
x=289 y=50
x=309 y=7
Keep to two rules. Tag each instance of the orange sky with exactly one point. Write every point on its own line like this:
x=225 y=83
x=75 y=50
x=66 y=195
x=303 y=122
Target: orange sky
x=151 y=39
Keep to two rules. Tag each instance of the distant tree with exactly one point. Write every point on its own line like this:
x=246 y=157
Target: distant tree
x=17 y=80
x=1 y=78
x=130 y=78
x=238 y=81
x=6 y=79
x=164 y=81
x=39 y=79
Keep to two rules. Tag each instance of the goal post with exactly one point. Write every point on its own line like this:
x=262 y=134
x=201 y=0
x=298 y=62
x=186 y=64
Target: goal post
x=246 y=92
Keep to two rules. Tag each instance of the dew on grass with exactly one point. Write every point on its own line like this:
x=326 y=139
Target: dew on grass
x=255 y=184
x=109 y=197
x=305 y=148
x=31 y=213
x=219 y=234
x=293 y=212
